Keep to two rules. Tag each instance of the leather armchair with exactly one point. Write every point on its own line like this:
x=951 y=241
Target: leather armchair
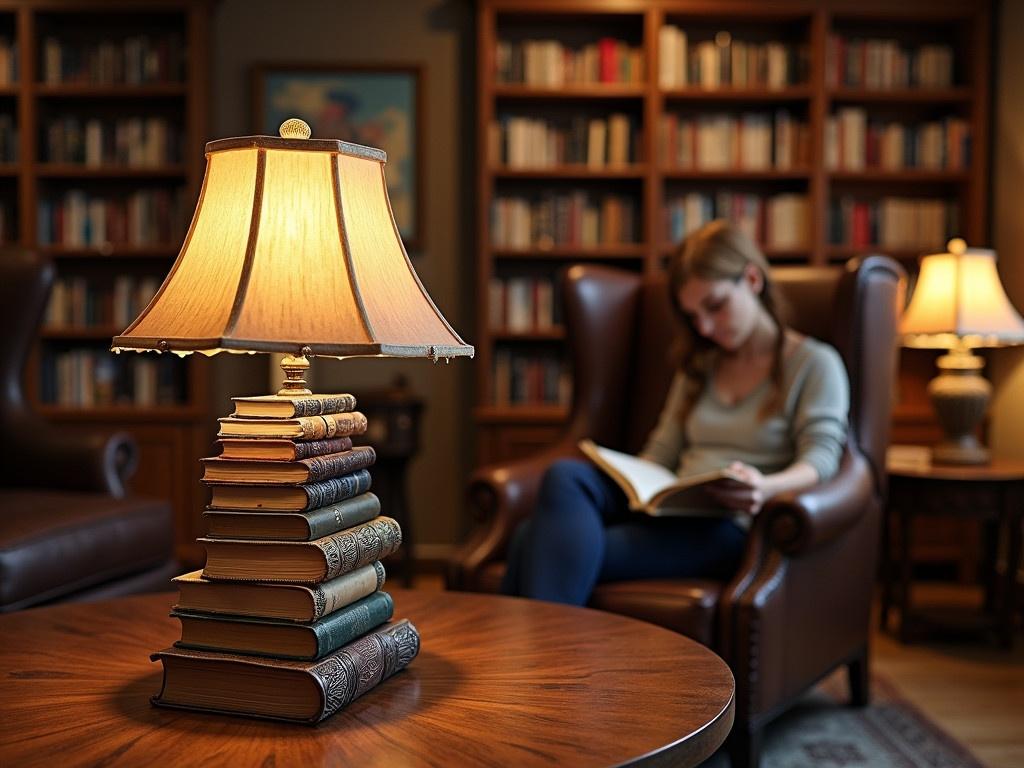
x=68 y=529
x=799 y=605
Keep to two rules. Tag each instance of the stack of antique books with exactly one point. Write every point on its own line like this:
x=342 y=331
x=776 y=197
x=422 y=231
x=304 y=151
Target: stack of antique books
x=288 y=620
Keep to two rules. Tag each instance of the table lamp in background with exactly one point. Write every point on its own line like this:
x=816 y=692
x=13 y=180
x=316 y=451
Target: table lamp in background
x=959 y=304
x=293 y=249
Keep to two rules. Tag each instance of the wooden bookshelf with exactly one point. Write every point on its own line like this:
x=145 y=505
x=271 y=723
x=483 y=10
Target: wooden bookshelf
x=166 y=78
x=808 y=28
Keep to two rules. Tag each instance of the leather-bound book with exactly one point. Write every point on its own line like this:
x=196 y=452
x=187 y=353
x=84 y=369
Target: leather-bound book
x=218 y=469
x=280 y=449
x=300 y=691
x=292 y=602
x=283 y=639
x=302 y=562
x=300 y=428
x=298 y=497
x=288 y=407
x=292 y=526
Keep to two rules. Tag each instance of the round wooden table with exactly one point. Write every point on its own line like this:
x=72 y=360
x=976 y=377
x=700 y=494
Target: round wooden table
x=499 y=682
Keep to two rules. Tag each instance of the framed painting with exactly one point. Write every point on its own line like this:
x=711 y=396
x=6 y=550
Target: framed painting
x=378 y=105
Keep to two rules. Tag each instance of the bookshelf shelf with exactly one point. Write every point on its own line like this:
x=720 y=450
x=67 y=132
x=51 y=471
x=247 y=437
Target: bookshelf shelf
x=122 y=413
x=792 y=93
x=549 y=334
x=110 y=252
x=10 y=90
x=75 y=171
x=88 y=91
x=802 y=106
x=910 y=176
x=81 y=333
x=594 y=91
x=9 y=170
x=611 y=251
x=736 y=174
x=571 y=172
x=902 y=95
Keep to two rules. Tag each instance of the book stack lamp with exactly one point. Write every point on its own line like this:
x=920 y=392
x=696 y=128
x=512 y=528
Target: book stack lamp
x=293 y=249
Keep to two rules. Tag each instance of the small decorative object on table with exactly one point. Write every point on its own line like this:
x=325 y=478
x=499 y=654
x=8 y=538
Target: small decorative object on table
x=959 y=304
x=293 y=249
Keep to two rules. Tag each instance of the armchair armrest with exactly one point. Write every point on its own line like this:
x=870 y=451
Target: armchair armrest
x=499 y=496
x=45 y=457
x=801 y=522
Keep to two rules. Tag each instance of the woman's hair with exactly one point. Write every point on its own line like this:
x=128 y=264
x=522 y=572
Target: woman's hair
x=720 y=251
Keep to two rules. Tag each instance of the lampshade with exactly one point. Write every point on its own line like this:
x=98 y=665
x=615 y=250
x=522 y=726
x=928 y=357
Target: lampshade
x=959 y=300
x=293 y=245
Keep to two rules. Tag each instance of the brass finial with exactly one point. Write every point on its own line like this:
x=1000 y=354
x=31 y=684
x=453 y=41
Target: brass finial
x=294 y=128
x=957 y=246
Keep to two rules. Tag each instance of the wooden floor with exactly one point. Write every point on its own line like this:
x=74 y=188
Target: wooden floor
x=974 y=690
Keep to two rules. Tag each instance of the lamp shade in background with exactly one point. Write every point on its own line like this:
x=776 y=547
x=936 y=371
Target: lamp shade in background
x=958 y=304
x=293 y=248
x=959 y=301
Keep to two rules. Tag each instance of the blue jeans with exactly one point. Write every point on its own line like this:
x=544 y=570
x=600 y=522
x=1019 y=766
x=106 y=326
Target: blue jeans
x=583 y=532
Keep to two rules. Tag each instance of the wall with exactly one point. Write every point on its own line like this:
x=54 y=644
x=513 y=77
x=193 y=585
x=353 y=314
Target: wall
x=433 y=33
x=1007 y=414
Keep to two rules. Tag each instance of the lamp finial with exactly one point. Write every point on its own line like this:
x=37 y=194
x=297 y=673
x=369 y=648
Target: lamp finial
x=957 y=246
x=294 y=128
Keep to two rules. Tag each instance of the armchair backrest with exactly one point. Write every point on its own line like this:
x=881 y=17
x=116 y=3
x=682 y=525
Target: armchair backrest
x=622 y=335
x=25 y=281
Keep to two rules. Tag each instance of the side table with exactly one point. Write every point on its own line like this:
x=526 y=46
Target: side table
x=992 y=494
x=393 y=417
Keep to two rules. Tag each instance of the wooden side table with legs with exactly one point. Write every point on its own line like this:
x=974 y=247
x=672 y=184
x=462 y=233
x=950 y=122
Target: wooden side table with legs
x=992 y=494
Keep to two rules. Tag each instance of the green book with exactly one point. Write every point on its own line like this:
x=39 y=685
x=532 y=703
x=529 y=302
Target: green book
x=292 y=526
x=283 y=639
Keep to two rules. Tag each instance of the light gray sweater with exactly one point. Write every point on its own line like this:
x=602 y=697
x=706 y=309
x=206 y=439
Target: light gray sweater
x=810 y=426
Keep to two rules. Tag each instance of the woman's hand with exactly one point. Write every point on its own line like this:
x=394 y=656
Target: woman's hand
x=748 y=494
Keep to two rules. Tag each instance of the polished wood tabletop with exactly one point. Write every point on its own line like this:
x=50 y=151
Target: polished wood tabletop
x=499 y=682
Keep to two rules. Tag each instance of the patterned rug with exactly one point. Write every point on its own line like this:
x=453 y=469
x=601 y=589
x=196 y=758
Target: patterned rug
x=823 y=732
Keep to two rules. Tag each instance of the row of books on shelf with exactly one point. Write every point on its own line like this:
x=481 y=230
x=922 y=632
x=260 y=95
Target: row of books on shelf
x=879 y=63
x=523 y=304
x=8 y=139
x=8 y=61
x=892 y=222
x=852 y=142
x=137 y=141
x=143 y=217
x=133 y=60
x=577 y=218
x=751 y=141
x=725 y=62
x=78 y=302
x=776 y=221
x=290 y=596
x=523 y=142
x=522 y=378
x=551 y=63
x=82 y=378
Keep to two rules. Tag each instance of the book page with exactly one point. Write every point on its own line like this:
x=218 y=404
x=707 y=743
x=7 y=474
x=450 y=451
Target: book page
x=639 y=478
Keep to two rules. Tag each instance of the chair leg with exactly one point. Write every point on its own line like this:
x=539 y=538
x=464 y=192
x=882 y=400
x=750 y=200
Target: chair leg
x=744 y=746
x=860 y=680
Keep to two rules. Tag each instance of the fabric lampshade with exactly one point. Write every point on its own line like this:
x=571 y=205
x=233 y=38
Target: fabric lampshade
x=959 y=300
x=293 y=245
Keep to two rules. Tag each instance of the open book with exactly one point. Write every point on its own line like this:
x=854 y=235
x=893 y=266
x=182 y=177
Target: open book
x=654 y=490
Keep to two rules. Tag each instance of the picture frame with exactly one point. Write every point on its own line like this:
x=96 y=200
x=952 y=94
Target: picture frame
x=379 y=105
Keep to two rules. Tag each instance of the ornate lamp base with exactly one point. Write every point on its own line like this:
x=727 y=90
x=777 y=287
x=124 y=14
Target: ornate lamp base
x=960 y=395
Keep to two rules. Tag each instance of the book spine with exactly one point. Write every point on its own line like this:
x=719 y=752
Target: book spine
x=364 y=664
x=332 y=425
x=345 y=514
x=333 y=595
x=351 y=622
x=321 y=447
x=332 y=465
x=359 y=546
x=336 y=489
x=319 y=406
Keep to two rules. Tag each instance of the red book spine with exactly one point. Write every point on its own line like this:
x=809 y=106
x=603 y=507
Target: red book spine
x=606 y=56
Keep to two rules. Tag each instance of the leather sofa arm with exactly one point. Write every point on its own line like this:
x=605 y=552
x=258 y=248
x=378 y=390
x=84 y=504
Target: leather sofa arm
x=801 y=522
x=45 y=457
x=499 y=496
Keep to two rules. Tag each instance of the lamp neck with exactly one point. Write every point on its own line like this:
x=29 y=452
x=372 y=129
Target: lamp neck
x=294 y=371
